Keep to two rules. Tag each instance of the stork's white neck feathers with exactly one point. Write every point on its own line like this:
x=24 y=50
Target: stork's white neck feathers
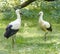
x=41 y=17
x=18 y=15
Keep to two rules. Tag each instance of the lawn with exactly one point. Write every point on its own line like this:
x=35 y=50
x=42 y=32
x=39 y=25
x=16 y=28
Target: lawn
x=30 y=39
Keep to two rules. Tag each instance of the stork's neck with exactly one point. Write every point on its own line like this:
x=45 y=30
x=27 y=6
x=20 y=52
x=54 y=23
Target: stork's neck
x=41 y=17
x=18 y=16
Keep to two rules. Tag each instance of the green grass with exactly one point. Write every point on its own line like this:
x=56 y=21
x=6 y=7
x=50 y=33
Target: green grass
x=30 y=39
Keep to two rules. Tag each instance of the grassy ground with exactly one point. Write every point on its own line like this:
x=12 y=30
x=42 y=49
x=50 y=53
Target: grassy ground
x=30 y=40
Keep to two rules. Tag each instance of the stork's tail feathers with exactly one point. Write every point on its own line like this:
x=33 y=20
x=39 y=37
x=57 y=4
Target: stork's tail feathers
x=5 y=35
x=49 y=29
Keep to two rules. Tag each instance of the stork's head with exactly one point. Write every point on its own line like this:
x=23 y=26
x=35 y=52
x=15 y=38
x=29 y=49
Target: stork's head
x=40 y=13
x=18 y=11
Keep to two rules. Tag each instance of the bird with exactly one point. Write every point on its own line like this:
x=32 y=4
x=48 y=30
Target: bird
x=44 y=25
x=13 y=27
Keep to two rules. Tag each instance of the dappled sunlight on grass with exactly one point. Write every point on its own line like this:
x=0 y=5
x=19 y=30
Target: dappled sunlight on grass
x=2 y=25
x=30 y=40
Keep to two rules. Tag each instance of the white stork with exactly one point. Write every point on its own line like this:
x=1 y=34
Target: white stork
x=13 y=27
x=45 y=26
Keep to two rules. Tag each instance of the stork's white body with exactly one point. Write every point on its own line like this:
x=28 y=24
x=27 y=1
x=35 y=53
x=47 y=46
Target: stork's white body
x=44 y=25
x=16 y=24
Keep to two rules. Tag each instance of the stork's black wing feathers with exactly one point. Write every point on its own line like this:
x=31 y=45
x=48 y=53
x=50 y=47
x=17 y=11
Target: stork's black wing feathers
x=9 y=32
x=50 y=28
x=8 y=27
